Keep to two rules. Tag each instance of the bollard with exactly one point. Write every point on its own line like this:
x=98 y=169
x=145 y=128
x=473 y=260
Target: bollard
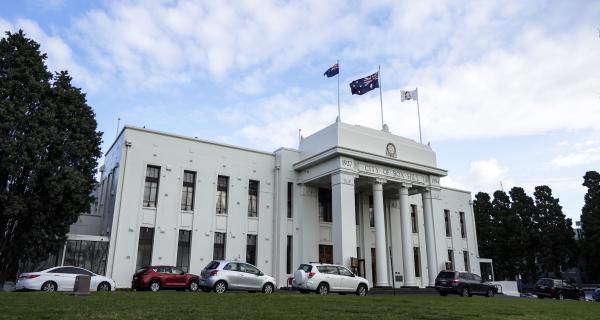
x=82 y=285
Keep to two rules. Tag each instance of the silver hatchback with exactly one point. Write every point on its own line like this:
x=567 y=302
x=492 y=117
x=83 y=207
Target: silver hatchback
x=223 y=275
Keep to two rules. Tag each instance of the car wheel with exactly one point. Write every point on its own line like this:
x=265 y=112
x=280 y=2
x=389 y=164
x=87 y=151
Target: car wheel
x=464 y=292
x=220 y=287
x=490 y=293
x=304 y=291
x=49 y=286
x=103 y=286
x=268 y=288
x=561 y=296
x=205 y=289
x=323 y=288
x=193 y=286
x=154 y=286
x=362 y=290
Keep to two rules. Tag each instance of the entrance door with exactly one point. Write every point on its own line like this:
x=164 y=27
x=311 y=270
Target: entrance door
x=325 y=253
x=374 y=266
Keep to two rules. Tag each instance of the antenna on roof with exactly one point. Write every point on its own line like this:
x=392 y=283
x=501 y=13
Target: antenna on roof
x=118 y=123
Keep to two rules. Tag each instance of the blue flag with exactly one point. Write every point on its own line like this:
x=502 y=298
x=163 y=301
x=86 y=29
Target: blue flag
x=366 y=84
x=335 y=69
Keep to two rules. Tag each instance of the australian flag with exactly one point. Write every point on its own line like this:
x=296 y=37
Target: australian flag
x=335 y=69
x=366 y=84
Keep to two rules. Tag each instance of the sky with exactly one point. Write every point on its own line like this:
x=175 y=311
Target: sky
x=509 y=91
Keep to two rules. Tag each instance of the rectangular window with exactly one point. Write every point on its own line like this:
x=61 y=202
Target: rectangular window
x=253 y=198
x=219 y=246
x=451 y=259
x=184 y=246
x=466 y=260
x=463 y=228
x=371 y=213
x=447 y=221
x=288 y=261
x=222 y=191
x=251 y=249
x=325 y=205
x=413 y=218
x=325 y=253
x=356 y=208
x=144 y=254
x=151 y=186
x=187 y=192
x=417 y=258
x=290 y=194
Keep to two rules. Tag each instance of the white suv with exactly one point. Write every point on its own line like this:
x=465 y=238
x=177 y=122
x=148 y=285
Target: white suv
x=325 y=278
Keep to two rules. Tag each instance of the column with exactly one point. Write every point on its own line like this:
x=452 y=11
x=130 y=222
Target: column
x=408 y=261
x=343 y=219
x=380 y=246
x=429 y=238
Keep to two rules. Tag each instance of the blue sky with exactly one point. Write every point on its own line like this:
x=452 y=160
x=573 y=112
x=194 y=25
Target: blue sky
x=509 y=90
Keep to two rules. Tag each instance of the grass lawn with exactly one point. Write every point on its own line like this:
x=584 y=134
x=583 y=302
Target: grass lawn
x=182 y=305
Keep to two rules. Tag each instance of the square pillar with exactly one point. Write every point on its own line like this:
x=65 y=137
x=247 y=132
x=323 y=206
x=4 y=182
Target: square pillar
x=343 y=217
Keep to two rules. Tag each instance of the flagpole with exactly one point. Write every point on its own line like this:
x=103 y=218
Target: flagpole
x=380 y=95
x=419 y=114
x=338 y=76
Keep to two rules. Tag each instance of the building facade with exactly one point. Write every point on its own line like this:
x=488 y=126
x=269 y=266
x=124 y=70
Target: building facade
x=349 y=195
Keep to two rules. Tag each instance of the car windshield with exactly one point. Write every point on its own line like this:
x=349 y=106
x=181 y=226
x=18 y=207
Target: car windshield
x=305 y=267
x=446 y=275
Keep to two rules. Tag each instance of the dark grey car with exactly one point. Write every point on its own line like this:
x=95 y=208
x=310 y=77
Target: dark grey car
x=223 y=275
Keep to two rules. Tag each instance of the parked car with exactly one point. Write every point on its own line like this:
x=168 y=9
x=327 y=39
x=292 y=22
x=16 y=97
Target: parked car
x=223 y=275
x=155 y=278
x=596 y=295
x=558 y=289
x=326 y=278
x=62 y=279
x=465 y=284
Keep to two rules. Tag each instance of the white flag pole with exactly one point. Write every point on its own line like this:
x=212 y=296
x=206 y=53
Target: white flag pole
x=338 y=76
x=380 y=96
x=419 y=114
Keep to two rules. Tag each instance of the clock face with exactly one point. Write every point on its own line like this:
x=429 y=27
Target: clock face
x=391 y=149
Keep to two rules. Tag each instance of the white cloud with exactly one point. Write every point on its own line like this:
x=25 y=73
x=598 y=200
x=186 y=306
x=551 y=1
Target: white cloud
x=487 y=175
x=451 y=183
x=578 y=154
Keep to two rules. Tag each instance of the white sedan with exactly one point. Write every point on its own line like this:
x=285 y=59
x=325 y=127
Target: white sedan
x=62 y=279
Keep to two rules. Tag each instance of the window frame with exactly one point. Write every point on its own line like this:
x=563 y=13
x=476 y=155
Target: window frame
x=463 y=226
x=448 y=223
x=222 y=205
x=147 y=201
x=187 y=203
x=413 y=218
x=325 y=205
x=185 y=258
x=250 y=248
x=290 y=200
x=222 y=246
x=253 y=198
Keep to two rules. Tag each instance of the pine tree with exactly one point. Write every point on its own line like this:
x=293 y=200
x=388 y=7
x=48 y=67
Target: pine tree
x=526 y=236
x=590 y=226
x=507 y=229
x=484 y=224
x=49 y=149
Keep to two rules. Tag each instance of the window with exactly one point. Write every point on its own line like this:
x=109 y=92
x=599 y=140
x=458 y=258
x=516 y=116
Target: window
x=151 y=186
x=87 y=254
x=324 y=205
x=451 y=258
x=184 y=249
x=325 y=253
x=249 y=269
x=417 y=258
x=253 y=198
x=413 y=218
x=187 y=193
x=251 y=249
x=288 y=265
x=290 y=194
x=222 y=190
x=144 y=254
x=219 y=247
x=466 y=260
x=371 y=213
x=356 y=208
x=344 y=272
x=463 y=229
x=447 y=221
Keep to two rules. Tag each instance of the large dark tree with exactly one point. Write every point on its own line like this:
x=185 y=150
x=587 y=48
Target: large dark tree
x=526 y=236
x=557 y=242
x=507 y=229
x=484 y=224
x=49 y=149
x=590 y=226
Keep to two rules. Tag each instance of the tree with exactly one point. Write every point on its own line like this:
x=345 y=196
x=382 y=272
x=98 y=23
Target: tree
x=590 y=225
x=484 y=224
x=507 y=229
x=49 y=150
x=557 y=242
x=526 y=236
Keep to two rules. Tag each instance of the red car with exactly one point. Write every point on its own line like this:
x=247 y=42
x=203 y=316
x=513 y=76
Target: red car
x=164 y=277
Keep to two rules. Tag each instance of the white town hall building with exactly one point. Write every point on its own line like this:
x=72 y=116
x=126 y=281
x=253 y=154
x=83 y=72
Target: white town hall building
x=349 y=195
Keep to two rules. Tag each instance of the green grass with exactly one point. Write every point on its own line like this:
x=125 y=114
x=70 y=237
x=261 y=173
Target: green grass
x=186 y=305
